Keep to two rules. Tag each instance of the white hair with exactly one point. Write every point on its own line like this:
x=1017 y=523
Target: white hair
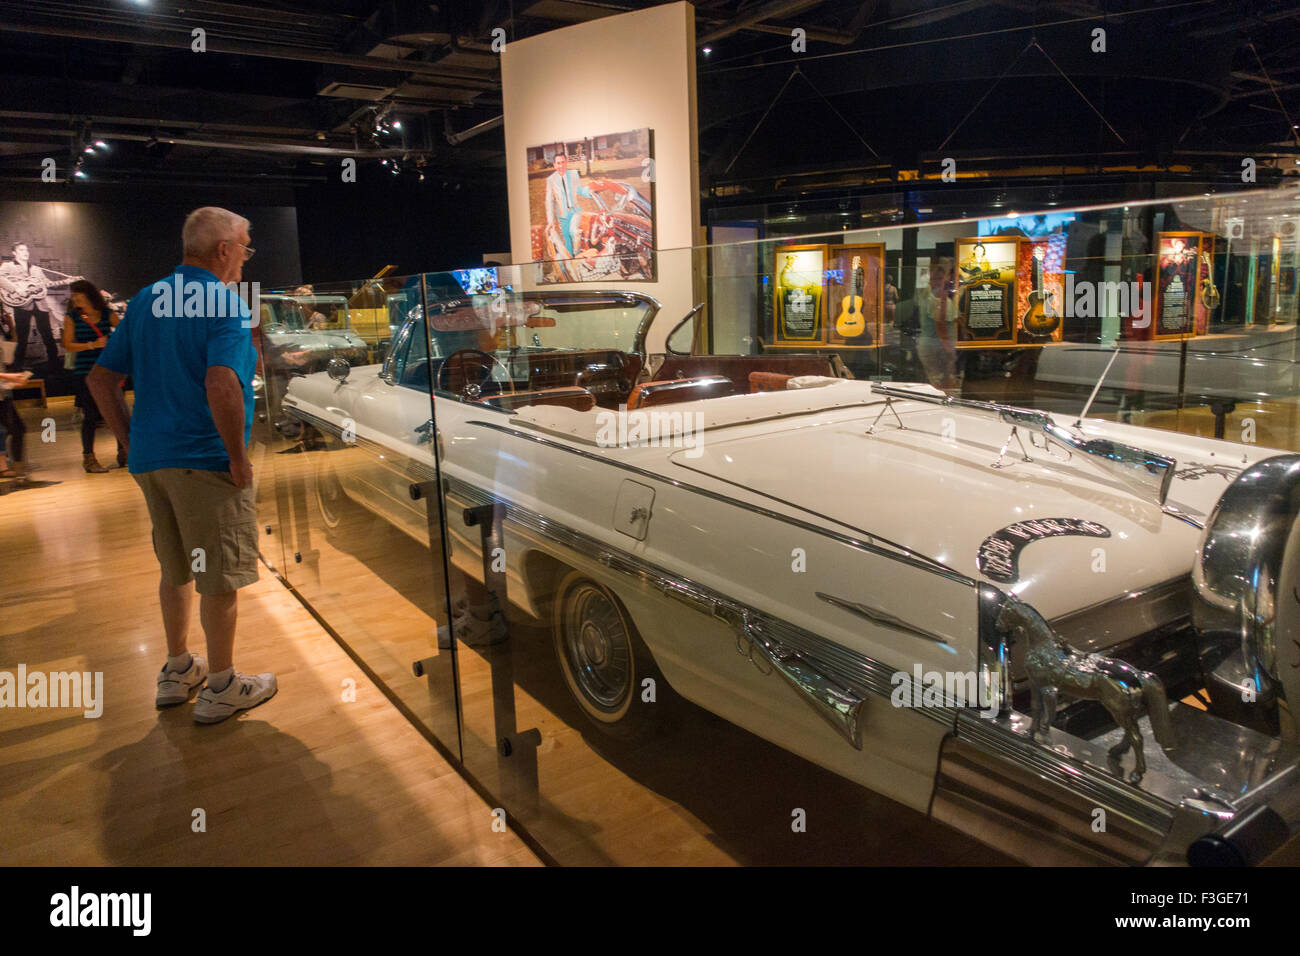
x=206 y=227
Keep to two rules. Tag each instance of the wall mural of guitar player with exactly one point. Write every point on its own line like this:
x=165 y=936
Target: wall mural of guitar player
x=34 y=312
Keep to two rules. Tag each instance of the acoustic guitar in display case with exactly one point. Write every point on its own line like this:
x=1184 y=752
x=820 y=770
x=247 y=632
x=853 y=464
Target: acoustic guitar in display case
x=851 y=323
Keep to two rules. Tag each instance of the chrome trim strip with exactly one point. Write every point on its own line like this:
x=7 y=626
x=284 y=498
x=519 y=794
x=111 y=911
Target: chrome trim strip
x=883 y=618
x=1183 y=517
x=907 y=557
x=1126 y=615
x=998 y=738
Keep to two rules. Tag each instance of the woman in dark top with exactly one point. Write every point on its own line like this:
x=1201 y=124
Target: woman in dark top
x=85 y=333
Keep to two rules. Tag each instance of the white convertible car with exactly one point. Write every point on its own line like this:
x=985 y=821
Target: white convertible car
x=1073 y=639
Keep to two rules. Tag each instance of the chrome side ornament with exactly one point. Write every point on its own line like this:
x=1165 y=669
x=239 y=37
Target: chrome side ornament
x=836 y=704
x=1246 y=577
x=883 y=618
x=1144 y=472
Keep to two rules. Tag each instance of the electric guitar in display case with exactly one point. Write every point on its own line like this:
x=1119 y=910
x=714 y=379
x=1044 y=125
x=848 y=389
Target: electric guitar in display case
x=851 y=322
x=1210 y=297
x=1041 y=318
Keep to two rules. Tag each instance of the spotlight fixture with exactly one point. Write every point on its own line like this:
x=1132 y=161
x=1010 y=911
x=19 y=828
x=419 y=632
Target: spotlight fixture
x=397 y=124
x=80 y=174
x=89 y=149
x=707 y=50
x=100 y=144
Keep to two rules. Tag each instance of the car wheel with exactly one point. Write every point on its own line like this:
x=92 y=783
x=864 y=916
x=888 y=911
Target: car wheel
x=604 y=662
x=331 y=500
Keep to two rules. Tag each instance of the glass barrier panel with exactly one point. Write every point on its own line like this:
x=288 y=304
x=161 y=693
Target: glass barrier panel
x=265 y=442
x=350 y=460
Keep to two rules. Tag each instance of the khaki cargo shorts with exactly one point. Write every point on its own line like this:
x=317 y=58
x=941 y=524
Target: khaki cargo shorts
x=203 y=528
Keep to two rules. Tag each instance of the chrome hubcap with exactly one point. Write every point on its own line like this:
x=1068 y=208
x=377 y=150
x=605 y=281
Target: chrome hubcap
x=597 y=648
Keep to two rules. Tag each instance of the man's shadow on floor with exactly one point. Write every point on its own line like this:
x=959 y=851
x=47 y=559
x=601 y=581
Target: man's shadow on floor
x=237 y=793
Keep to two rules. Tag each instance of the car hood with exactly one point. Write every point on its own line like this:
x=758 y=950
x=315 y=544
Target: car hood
x=315 y=340
x=1073 y=535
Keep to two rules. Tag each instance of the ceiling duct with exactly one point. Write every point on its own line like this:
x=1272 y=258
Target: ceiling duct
x=395 y=30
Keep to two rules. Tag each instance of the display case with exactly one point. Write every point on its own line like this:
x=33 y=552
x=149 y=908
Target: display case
x=632 y=566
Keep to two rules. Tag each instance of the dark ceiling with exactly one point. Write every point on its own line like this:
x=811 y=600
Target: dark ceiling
x=285 y=90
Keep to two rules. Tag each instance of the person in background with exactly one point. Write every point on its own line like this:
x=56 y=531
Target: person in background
x=312 y=319
x=936 y=312
x=12 y=423
x=85 y=333
x=188 y=451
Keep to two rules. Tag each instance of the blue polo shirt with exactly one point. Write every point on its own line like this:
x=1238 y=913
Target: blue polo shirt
x=173 y=332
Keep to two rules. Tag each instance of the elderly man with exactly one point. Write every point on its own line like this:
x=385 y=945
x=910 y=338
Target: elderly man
x=187 y=344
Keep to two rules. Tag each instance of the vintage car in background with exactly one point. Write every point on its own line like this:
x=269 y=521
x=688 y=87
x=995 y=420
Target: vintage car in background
x=1073 y=639
x=300 y=334
x=1222 y=371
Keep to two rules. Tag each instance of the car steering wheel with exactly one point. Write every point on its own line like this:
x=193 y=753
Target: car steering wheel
x=471 y=370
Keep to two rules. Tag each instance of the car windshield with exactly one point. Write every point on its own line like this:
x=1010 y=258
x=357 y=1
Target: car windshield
x=530 y=321
x=538 y=321
x=305 y=313
x=504 y=341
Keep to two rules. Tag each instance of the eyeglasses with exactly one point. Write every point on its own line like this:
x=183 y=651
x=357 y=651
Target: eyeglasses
x=248 y=250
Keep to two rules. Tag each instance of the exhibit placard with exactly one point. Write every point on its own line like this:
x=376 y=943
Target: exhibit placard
x=1178 y=269
x=986 y=291
x=798 y=293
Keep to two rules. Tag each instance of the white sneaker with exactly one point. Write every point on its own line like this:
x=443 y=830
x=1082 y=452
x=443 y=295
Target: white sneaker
x=243 y=691
x=459 y=608
x=176 y=687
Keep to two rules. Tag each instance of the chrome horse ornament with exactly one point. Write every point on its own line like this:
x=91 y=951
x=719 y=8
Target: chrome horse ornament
x=1056 y=667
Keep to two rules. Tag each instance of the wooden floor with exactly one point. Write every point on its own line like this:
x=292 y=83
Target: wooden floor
x=304 y=779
